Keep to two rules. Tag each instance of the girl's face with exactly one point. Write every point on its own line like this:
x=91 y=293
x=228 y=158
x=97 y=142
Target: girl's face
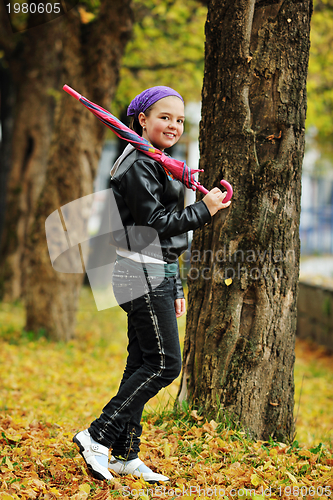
x=165 y=123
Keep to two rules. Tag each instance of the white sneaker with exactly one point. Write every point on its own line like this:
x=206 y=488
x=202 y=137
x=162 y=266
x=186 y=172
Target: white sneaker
x=137 y=468
x=93 y=453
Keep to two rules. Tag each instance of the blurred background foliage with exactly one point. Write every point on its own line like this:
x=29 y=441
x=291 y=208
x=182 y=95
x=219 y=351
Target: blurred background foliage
x=168 y=45
x=167 y=48
x=320 y=80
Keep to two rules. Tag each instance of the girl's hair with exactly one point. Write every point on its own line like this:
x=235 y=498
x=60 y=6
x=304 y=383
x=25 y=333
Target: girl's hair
x=134 y=123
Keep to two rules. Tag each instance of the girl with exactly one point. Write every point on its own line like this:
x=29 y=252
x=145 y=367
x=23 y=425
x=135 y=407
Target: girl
x=146 y=282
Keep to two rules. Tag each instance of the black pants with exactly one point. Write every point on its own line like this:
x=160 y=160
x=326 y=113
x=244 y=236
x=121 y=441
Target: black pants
x=153 y=362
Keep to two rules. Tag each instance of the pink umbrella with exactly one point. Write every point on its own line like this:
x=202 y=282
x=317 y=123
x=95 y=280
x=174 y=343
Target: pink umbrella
x=177 y=168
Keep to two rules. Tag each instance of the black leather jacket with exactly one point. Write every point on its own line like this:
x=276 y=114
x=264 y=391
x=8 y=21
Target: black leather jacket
x=150 y=202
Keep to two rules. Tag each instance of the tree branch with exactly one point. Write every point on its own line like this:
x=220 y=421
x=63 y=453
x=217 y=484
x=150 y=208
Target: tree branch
x=157 y=67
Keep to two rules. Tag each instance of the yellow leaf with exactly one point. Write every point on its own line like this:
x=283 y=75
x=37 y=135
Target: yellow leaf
x=137 y=485
x=228 y=281
x=325 y=467
x=167 y=449
x=144 y=496
x=293 y=478
x=6 y=496
x=9 y=464
x=85 y=487
x=11 y=435
x=306 y=453
x=84 y=470
x=255 y=480
x=55 y=492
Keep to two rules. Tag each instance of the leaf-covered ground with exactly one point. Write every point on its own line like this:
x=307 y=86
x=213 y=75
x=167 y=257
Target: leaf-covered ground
x=48 y=391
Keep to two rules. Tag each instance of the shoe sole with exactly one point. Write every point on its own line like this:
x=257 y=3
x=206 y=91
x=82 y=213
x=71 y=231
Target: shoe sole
x=95 y=474
x=152 y=481
x=155 y=482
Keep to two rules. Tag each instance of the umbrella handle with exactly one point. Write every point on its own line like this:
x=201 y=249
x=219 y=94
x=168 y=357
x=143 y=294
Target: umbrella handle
x=72 y=92
x=224 y=184
x=229 y=190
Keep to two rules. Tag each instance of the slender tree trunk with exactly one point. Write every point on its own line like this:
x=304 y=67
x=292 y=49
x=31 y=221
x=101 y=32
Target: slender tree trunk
x=58 y=155
x=239 y=345
x=7 y=92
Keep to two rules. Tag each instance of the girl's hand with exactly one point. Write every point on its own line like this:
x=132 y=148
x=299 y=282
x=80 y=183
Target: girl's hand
x=180 y=307
x=214 y=200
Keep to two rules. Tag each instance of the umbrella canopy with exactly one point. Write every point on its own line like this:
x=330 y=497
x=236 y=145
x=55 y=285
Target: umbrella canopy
x=177 y=168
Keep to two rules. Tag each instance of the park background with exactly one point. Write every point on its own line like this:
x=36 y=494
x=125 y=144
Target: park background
x=49 y=390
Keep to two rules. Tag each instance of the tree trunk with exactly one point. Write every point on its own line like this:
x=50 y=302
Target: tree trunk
x=7 y=93
x=36 y=71
x=239 y=345
x=90 y=58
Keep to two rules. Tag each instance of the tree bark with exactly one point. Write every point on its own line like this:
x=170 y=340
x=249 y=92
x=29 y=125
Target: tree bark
x=7 y=93
x=35 y=70
x=239 y=344
x=89 y=61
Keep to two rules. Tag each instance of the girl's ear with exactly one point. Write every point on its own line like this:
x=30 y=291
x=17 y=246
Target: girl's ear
x=142 y=119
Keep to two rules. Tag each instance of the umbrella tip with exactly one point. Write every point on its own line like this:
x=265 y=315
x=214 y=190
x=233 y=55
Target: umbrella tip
x=71 y=92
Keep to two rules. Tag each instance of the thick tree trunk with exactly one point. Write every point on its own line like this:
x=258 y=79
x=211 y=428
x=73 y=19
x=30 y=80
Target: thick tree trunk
x=239 y=345
x=90 y=57
x=36 y=72
x=92 y=69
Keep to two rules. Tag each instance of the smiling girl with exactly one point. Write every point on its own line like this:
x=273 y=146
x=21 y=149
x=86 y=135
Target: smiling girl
x=146 y=282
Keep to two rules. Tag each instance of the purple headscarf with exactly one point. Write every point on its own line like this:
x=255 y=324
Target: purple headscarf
x=148 y=97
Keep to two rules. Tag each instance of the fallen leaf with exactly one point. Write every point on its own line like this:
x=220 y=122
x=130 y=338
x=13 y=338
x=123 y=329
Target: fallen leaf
x=85 y=488
x=255 y=480
x=291 y=477
x=9 y=464
x=194 y=414
x=167 y=448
